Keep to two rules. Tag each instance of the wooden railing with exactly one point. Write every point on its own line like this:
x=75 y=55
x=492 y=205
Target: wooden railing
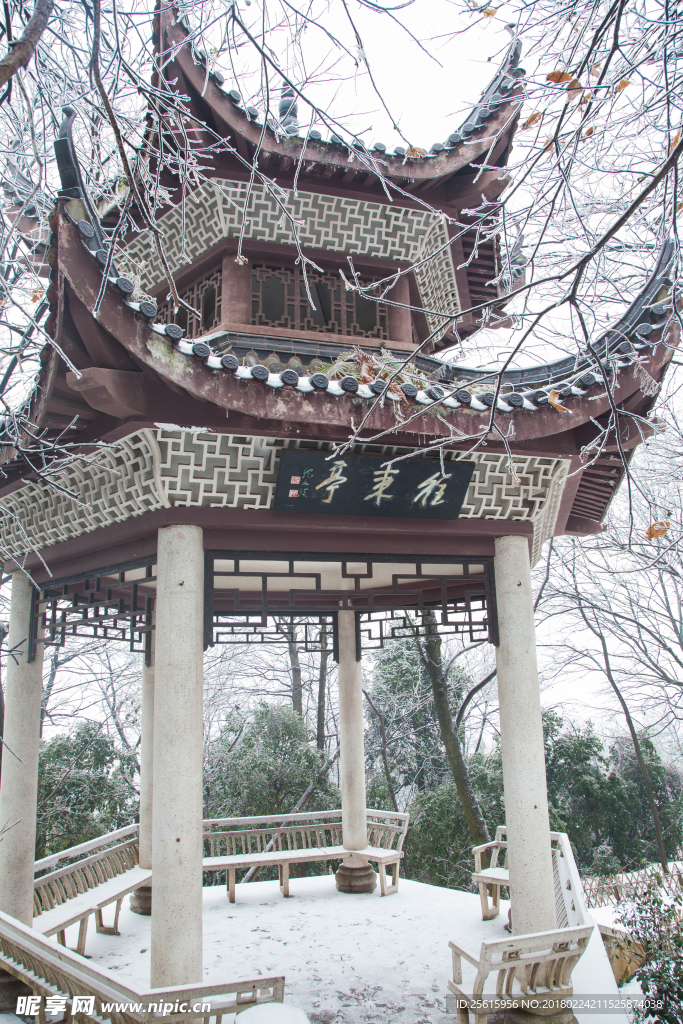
x=75 y=852
x=106 y=862
x=239 y=837
x=53 y=971
x=626 y=885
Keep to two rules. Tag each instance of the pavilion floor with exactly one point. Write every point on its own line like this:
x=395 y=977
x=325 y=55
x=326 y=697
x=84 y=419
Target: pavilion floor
x=347 y=959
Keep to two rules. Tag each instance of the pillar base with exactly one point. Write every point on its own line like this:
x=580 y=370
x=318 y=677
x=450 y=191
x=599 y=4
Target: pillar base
x=10 y=990
x=356 y=879
x=141 y=901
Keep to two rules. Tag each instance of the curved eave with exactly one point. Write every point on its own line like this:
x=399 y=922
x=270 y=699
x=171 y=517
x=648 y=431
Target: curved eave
x=648 y=311
x=494 y=134
x=184 y=365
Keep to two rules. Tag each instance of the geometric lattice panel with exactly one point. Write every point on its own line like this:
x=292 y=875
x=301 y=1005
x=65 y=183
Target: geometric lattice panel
x=215 y=211
x=167 y=467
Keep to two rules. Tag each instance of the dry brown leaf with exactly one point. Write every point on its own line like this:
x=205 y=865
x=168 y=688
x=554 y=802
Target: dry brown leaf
x=532 y=120
x=554 y=400
x=595 y=70
x=414 y=152
x=659 y=529
x=588 y=132
x=557 y=77
x=37 y=295
x=622 y=85
x=574 y=89
x=674 y=141
x=679 y=206
x=490 y=12
x=584 y=99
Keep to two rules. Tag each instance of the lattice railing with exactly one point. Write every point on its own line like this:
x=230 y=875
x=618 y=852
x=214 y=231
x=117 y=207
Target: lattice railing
x=55 y=888
x=626 y=885
x=204 y=295
x=230 y=837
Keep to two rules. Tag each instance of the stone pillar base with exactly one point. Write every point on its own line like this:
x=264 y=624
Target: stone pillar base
x=10 y=990
x=141 y=901
x=356 y=879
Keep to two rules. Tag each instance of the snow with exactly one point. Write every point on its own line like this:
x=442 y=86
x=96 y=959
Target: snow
x=346 y=958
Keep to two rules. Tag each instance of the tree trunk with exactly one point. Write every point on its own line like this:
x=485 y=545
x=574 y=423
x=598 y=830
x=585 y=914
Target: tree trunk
x=647 y=781
x=322 y=690
x=385 y=760
x=297 y=696
x=47 y=689
x=23 y=49
x=430 y=655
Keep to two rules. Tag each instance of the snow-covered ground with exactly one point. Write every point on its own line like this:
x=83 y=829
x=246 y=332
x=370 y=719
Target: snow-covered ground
x=346 y=959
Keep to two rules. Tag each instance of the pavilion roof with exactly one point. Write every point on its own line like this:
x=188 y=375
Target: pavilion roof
x=116 y=366
x=441 y=174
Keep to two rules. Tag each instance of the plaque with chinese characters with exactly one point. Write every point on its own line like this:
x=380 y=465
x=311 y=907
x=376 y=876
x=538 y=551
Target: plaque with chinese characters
x=358 y=485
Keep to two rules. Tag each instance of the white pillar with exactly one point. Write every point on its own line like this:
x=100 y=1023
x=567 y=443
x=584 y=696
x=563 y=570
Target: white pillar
x=355 y=874
x=532 y=889
x=19 y=785
x=141 y=899
x=147 y=761
x=176 y=940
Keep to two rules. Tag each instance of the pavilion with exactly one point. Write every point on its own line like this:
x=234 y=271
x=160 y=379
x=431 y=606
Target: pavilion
x=220 y=502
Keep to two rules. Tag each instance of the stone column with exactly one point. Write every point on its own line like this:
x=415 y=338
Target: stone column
x=355 y=874
x=176 y=940
x=532 y=890
x=399 y=326
x=19 y=789
x=141 y=899
x=235 y=291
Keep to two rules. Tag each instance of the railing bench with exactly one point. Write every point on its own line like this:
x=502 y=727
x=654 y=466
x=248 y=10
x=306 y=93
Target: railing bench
x=71 y=894
x=569 y=901
x=280 y=841
x=51 y=970
x=537 y=966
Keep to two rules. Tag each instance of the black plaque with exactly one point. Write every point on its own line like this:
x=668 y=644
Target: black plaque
x=357 y=485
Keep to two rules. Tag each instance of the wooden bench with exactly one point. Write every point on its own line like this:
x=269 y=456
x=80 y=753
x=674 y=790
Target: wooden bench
x=94 y=994
x=495 y=877
x=87 y=885
x=538 y=967
x=280 y=841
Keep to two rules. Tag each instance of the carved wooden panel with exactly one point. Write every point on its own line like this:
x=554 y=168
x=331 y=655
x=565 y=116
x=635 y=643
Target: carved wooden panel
x=280 y=299
x=203 y=295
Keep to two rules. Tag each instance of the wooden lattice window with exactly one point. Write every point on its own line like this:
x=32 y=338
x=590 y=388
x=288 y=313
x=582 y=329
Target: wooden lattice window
x=279 y=299
x=205 y=296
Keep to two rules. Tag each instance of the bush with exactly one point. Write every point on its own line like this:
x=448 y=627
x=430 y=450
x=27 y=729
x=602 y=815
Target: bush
x=653 y=920
x=84 y=789
x=266 y=769
x=439 y=845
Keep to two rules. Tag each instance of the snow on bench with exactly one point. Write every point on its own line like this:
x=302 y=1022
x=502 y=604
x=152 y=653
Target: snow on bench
x=283 y=840
x=569 y=899
x=537 y=966
x=93 y=994
x=86 y=886
x=105 y=870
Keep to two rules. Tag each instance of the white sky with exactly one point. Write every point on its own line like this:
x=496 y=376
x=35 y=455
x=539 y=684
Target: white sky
x=427 y=95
